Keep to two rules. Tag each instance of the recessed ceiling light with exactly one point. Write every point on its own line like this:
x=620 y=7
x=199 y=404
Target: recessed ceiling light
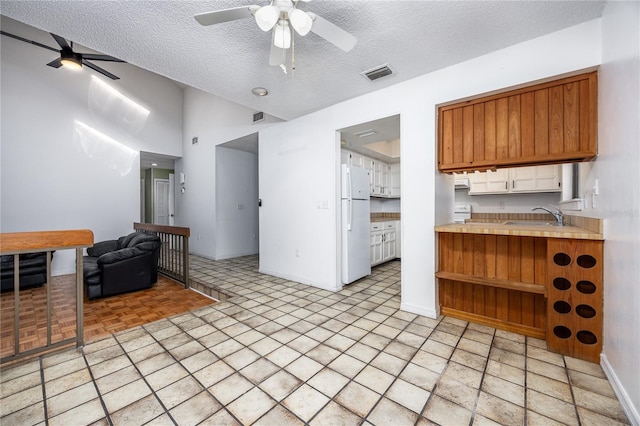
x=154 y=164
x=259 y=91
x=365 y=133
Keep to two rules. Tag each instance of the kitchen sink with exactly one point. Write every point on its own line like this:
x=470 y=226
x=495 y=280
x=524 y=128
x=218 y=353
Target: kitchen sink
x=530 y=223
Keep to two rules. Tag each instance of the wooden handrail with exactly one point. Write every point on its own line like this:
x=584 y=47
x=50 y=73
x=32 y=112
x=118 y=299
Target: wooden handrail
x=175 y=230
x=16 y=243
x=28 y=242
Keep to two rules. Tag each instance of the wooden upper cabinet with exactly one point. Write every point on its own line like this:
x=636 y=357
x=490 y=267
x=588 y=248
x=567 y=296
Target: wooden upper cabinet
x=553 y=122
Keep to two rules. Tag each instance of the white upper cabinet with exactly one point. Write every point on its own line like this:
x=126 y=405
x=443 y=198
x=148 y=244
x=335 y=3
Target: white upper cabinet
x=394 y=180
x=516 y=180
x=384 y=178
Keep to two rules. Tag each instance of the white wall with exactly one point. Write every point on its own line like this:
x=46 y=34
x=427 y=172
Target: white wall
x=618 y=172
x=299 y=159
x=214 y=121
x=385 y=205
x=236 y=203
x=59 y=174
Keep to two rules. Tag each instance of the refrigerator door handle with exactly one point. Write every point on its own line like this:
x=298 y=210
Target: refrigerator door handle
x=349 y=186
x=349 y=214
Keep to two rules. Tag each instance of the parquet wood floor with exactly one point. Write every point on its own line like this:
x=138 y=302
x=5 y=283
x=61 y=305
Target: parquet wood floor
x=101 y=317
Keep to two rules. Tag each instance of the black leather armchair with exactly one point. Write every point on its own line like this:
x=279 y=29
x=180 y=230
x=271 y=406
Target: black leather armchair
x=127 y=264
x=33 y=270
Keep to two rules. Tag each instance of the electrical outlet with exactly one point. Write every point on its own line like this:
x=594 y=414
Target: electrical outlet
x=501 y=205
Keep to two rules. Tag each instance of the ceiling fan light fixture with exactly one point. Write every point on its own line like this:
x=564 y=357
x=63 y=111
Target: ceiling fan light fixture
x=282 y=35
x=70 y=60
x=300 y=21
x=267 y=17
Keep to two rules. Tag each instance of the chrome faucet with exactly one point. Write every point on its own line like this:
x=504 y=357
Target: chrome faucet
x=557 y=213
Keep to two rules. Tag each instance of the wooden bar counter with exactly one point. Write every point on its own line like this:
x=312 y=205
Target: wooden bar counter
x=538 y=280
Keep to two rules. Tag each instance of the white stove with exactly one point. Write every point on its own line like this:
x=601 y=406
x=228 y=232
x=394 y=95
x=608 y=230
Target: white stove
x=461 y=213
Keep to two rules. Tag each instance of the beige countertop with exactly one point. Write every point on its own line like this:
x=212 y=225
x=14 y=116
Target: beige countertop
x=500 y=228
x=382 y=219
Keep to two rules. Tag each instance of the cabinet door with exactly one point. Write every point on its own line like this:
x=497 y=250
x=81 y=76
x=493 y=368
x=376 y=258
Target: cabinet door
x=489 y=182
x=389 y=245
x=345 y=156
x=368 y=164
x=357 y=160
x=394 y=180
x=536 y=179
x=376 y=247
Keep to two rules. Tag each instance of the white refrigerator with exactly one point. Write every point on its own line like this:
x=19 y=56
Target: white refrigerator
x=356 y=233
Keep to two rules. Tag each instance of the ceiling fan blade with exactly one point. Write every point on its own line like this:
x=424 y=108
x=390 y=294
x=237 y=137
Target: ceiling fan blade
x=332 y=33
x=62 y=42
x=96 y=57
x=100 y=70
x=226 y=15
x=56 y=63
x=29 y=41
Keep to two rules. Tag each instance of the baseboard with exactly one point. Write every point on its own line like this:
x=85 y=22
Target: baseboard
x=621 y=393
x=430 y=313
x=301 y=281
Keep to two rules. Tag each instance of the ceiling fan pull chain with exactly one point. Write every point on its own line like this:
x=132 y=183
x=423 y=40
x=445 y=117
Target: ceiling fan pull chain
x=293 y=53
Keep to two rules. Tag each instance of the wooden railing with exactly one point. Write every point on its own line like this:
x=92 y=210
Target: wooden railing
x=47 y=241
x=174 y=253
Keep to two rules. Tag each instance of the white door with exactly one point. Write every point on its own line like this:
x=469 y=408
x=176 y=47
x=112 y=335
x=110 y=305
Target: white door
x=161 y=205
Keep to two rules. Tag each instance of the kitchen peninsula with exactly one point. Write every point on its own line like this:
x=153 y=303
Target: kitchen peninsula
x=527 y=276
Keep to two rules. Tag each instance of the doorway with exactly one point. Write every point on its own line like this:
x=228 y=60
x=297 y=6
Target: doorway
x=375 y=147
x=161 y=198
x=157 y=192
x=236 y=198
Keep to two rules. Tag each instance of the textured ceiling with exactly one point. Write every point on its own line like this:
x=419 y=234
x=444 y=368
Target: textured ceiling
x=228 y=60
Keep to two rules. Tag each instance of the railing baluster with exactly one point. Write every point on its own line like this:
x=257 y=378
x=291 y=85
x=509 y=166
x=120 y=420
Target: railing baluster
x=16 y=304
x=174 y=254
x=48 y=284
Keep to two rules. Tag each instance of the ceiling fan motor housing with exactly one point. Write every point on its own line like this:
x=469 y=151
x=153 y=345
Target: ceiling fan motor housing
x=70 y=58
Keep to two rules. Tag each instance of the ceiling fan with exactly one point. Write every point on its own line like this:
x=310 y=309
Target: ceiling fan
x=70 y=58
x=280 y=16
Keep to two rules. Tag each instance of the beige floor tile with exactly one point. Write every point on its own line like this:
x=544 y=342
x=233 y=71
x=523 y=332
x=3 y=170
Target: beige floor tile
x=419 y=376
x=303 y=344
x=166 y=376
x=199 y=360
x=505 y=372
x=328 y=382
x=305 y=402
x=87 y=413
x=147 y=366
x=64 y=368
x=115 y=380
x=520 y=338
x=546 y=356
x=535 y=419
x=334 y=414
x=347 y=365
x=87 y=349
x=213 y=339
x=140 y=412
x=23 y=382
x=353 y=332
x=430 y=361
x=278 y=415
x=480 y=420
x=479 y=333
x=265 y=346
x=230 y=388
x=213 y=373
x=376 y=341
x=589 y=418
x=250 y=406
x=463 y=374
x=446 y=413
x=259 y=370
x=103 y=354
x=304 y=368
x=226 y=348
x=506 y=357
x=323 y=354
x=70 y=399
x=548 y=370
x=283 y=356
x=30 y=415
x=500 y=410
x=584 y=367
x=249 y=337
x=457 y=392
x=178 y=392
x=400 y=350
x=551 y=407
x=444 y=338
x=474 y=347
x=362 y=352
x=339 y=342
x=408 y=395
x=504 y=390
x=357 y=398
x=515 y=346
x=591 y=383
x=281 y=384
x=196 y=409
x=609 y=407
x=390 y=413
x=389 y=363
x=374 y=379
x=139 y=342
x=188 y=349
x=549 y=387
x=242 y=358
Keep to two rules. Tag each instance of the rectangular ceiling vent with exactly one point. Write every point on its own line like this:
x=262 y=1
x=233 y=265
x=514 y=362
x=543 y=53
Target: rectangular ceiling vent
x=258 y=117
x=378 y=72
